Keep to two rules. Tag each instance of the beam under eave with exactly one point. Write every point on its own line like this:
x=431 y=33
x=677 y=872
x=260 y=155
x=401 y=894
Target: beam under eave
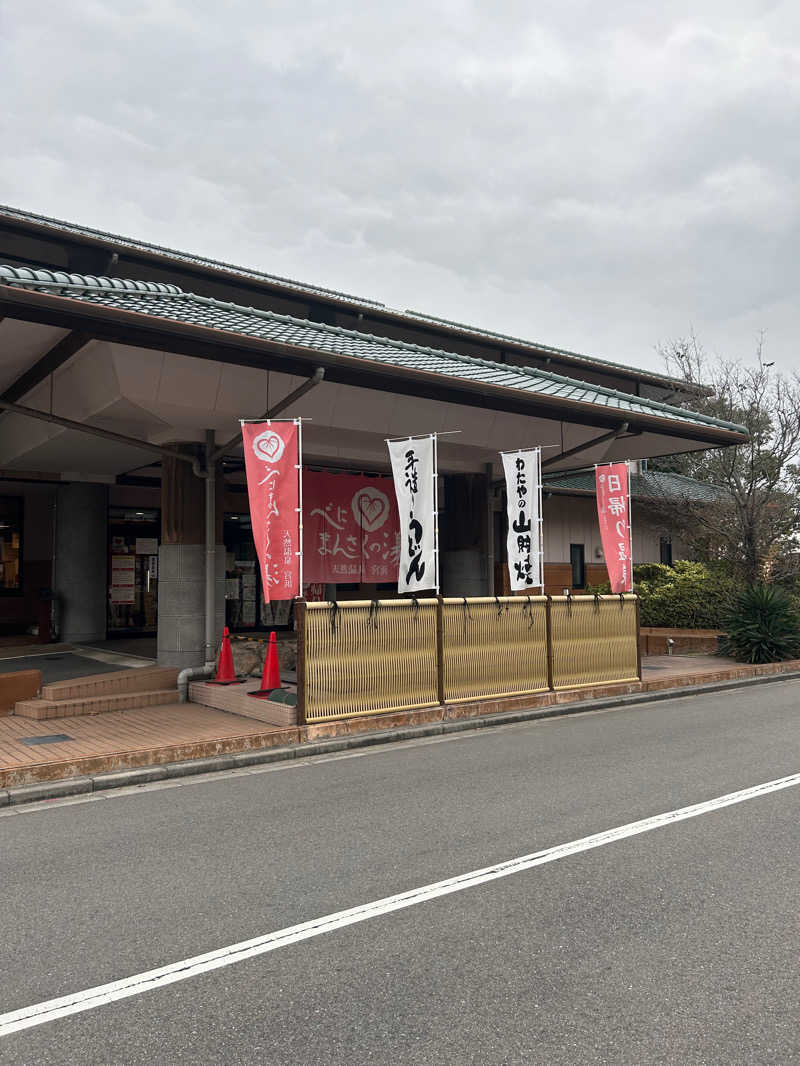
x=586 y=446
x=43 y=367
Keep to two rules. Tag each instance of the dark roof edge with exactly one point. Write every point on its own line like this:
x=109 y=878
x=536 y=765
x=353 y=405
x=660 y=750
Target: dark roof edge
x=83 y=283
x=79 y=232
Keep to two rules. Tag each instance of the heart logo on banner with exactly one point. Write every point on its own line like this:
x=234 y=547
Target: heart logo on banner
x=268 y=446
x=370 y=508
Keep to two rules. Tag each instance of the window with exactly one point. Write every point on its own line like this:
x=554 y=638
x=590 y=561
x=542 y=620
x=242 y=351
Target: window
x=578 y=564
x=666 y=551
x=10 y=544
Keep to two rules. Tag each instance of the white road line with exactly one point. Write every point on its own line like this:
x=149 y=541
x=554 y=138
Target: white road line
x=51 y=1009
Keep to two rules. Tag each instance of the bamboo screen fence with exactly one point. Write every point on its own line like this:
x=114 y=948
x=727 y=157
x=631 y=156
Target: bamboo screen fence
x=594 y=640
x=365 y=657
x=370 y=657
x=494 y=646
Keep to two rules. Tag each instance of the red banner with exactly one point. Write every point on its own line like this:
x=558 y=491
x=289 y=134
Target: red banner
x=613 y=512
x=271 y=459
x=351 y=528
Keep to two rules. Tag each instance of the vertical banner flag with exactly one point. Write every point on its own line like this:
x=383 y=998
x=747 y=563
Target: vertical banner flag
x=414 y=471
x=613 y=512
x=524 y=542
x=272 y=465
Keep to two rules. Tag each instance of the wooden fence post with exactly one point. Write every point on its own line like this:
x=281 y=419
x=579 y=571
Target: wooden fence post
x=440 y=649
x=300 y=627
x=549 y=638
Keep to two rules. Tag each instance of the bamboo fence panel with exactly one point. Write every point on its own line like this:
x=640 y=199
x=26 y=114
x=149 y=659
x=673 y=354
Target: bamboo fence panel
x=369 y=657
x=594 y=640
x=494 y=646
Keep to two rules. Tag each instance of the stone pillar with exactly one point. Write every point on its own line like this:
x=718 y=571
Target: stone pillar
x=81 y=561
x=181 y=565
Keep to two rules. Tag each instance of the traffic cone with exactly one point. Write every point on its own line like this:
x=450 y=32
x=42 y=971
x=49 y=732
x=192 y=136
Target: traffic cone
x=225 y=671
x=271 y=678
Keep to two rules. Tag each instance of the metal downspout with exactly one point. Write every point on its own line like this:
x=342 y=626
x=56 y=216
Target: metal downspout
x=211 y=547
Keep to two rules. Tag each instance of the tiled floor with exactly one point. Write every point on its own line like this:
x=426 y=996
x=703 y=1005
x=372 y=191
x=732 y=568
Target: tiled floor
x=184 y=731
x=655 y=667
x=174 y=728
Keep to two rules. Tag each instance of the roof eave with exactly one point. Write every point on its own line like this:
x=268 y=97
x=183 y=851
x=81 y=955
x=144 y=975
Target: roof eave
x=345 y=303
x=142 y=330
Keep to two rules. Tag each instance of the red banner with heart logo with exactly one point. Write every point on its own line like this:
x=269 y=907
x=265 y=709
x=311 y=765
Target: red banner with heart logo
x=271 y=458
x=351 y=528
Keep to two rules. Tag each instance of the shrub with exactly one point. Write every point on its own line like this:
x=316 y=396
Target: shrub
x=762 y=627
x=684 y=596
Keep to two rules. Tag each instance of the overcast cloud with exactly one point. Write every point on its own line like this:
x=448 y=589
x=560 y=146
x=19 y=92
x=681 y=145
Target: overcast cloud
x=599 y=177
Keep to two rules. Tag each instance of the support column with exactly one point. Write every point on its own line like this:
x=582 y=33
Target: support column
x=81 y=561
x=182 y=565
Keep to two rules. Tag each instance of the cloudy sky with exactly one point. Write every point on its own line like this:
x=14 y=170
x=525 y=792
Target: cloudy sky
x=601 y=177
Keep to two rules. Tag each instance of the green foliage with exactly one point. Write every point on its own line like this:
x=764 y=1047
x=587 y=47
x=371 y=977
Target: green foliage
x=684 y=596
x=763 y=626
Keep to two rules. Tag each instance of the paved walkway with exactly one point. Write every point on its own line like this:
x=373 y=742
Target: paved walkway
x=124 y=738
x=176 y=732
x=656 y=667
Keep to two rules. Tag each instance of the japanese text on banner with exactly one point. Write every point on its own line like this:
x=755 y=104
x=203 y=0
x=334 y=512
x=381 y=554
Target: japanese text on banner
x=615 y=532
x=351 y=531
x=523 y=475
x=413 y=469
x=271 y=456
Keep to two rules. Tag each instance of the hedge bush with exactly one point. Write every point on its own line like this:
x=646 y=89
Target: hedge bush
x=684 y=596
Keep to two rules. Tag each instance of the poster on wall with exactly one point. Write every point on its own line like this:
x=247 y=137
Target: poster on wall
x=414 y=472
x=272 y=465
x=351 y=531
x=614 y=516
x=123 y=579
x=524 y=541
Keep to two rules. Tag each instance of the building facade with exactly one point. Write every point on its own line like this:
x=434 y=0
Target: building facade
x=124 y=370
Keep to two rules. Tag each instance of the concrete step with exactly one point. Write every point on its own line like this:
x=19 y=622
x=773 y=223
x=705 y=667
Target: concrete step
x=123 y=701
x=139 y=679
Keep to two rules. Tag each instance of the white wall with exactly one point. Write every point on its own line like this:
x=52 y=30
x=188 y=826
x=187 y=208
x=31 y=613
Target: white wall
x=573 y=520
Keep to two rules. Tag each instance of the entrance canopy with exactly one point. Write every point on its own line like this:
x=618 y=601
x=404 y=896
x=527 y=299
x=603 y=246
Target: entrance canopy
x=151 y=362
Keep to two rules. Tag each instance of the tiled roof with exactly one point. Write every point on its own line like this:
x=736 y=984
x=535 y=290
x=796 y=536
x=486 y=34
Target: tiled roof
x=183 y=257
x=316 y=290
x=653 y=484
x=168 y=302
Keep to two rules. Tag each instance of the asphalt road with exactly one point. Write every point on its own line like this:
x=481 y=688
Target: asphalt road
x=676 y=946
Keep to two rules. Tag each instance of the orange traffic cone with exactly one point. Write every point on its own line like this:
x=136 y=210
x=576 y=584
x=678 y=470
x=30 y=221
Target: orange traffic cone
x=271 y=678
x=225 y=672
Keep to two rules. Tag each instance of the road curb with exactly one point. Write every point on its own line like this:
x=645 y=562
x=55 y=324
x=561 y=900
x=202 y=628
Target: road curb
x=74 y=786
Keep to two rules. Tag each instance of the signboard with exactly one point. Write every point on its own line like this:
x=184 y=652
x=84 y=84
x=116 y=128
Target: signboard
x=524 y=542
x=123 y=579
x=147 y=545
x=351 y=531
x=414 y=471
x=272 y=465
x=613 y=512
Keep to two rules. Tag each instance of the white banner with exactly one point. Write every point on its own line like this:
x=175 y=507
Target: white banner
x=523 y=489
x=414 y=472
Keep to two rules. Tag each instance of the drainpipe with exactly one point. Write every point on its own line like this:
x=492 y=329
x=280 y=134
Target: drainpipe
x=192 y=673
x=211 y=547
